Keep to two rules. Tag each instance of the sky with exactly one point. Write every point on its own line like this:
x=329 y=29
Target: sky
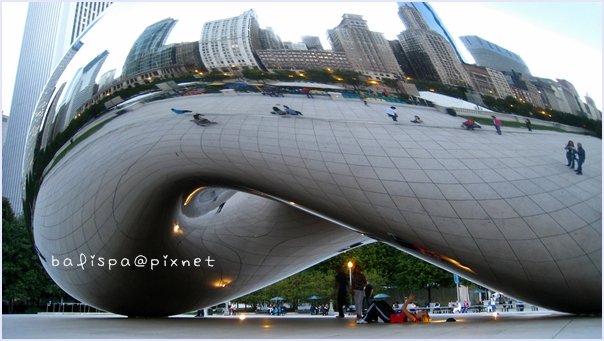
x=557 y=40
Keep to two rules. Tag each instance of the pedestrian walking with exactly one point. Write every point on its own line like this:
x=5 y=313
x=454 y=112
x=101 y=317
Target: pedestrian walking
x=497 y=123
x=528 y=125
x=392 y=113
x=580 y=158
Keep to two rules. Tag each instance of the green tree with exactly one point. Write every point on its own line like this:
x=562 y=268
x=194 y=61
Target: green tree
x=25 y=285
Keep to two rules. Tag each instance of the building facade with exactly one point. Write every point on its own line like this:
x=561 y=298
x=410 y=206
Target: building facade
x=368 y=52
x=303 y=59
x=149 y=49
x=50 y=29
x=312 y=42
x=425 y=16
x=572 y=97
x=494 y=56
x=269 y=40
x=431 y=56
x=231 y=43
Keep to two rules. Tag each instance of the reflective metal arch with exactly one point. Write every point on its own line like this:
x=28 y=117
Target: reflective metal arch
x=264 y=196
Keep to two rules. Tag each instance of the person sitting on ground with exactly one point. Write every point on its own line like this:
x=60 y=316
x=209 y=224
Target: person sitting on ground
x=419 y=316
x=291 y=111
x=277 y=111
x=377 y=309
x=416 y=119
x=469 y=124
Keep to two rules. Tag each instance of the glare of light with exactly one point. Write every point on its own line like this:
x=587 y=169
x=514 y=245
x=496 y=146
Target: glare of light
x=350 y=265
x=177 y=229
x=242 y=317
x=266 y=326
x=190 y=196
x=222 y=283
x=495 y=315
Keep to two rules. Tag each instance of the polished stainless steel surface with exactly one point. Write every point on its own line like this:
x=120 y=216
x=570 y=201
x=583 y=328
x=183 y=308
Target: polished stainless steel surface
x=114 y=176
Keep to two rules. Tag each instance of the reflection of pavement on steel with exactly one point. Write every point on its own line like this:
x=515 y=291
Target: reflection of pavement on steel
x=301 y=326
x=503 y=211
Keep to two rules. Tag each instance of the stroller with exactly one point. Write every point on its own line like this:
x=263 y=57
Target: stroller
x=201 y=121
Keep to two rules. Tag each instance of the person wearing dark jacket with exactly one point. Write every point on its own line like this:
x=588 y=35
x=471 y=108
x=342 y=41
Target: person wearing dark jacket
x=341 y=290
x=580 y=158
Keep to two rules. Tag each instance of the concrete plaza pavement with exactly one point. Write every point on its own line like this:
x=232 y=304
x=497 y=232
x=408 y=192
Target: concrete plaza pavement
x=504 y=325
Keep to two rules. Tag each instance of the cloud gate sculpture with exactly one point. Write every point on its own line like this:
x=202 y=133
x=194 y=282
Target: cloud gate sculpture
x=138 y=211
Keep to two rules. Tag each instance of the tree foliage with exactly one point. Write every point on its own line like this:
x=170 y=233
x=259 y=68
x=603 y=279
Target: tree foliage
x=384 y=266
x=25 y=285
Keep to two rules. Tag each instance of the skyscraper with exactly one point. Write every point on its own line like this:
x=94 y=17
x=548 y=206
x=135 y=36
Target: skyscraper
x=50 y=29
x=231 y=43
x=312 y=42
x=430 y=21
x=431 y=56
x=146 y=51
x=368 y=52
x=494 y=56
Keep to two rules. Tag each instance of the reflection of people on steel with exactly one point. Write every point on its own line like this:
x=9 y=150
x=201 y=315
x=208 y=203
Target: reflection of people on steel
x=180 y=111
x=416 y=119
x=391 y=112
x=470 y=124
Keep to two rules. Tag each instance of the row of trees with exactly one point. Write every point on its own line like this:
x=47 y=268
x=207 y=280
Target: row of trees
x=385 y=267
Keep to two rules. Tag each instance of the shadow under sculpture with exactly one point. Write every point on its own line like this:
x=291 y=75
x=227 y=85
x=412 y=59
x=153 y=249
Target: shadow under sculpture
x=139 y=212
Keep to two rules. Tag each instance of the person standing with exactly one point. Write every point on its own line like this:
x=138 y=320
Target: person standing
x=341 y=290
x=570 y=154
x=580 y=158
x=392 y=113
x=497 y=124
x=359 y=281
x=528 y=125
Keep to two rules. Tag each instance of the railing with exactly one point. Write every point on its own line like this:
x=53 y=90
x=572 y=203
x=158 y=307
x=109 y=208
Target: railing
x=70 y=307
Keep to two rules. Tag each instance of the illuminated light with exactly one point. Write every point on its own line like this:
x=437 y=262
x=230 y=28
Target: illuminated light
x=241 y=317
x=190 y=196
x=292 y=203
x=350 y=265
x=177 y=229
x=266 y=326
x=222 y=283
x=495 y=316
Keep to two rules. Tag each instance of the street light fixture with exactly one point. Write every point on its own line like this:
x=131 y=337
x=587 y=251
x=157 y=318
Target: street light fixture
x=350 y=272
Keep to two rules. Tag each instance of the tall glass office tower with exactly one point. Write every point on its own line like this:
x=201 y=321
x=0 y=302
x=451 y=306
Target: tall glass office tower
x=49 y=33
x=432 y=21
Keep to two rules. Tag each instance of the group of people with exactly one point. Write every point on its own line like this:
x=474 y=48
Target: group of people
x=362 y=291
x=575 y=154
